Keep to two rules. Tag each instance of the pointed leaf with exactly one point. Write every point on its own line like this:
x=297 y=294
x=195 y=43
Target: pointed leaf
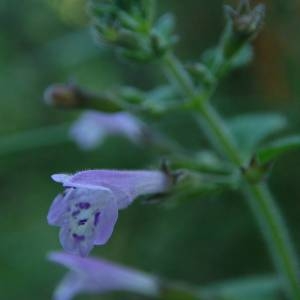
x=165 y=24
x=249 y=130
x=278 y=147
x=243 y=57
x=204 y=161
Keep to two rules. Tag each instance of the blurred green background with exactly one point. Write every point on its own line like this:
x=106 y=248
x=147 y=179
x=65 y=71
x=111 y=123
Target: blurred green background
x=202 y=241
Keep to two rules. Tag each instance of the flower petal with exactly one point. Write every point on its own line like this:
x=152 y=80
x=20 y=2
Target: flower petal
x=82 y=220
x=74 y=243
x=100 y=276
x=57 y=210
x=128 y=125
x=61 y=178
x=68 y=287
x=86 y=131
x=126 y=185
x=105 y=223
x=92 y=127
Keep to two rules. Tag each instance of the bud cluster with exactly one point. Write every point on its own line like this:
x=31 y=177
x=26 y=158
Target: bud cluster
x=234 y=49
x=128 y=25
x=244 y=23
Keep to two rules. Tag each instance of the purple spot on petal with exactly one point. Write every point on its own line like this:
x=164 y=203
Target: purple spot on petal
x=75 y=213
x=82 y=222
x=96 y=218
x=78 y=237
x=83 y=205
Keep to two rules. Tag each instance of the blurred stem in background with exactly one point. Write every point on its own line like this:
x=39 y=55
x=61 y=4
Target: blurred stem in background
x=59 y=134
x=27 y=140
x=259 y=198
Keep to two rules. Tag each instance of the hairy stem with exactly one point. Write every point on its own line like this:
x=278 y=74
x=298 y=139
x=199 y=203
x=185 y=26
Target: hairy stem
x=259 y=198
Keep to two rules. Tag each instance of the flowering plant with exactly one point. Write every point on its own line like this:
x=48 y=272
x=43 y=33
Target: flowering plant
x=88 y=208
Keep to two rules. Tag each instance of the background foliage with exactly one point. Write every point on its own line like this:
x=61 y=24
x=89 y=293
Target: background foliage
x=203 y=241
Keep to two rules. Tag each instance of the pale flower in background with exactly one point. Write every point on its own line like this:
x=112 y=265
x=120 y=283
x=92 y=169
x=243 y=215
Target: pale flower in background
x=92 y=127
x=98 y=276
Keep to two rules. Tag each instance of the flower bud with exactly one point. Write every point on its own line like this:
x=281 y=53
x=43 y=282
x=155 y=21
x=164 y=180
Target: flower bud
x=70 y=96
x=64 y=96
x=244 y=23
x=128 y=26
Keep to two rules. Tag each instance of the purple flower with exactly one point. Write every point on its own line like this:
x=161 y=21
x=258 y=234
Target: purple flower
x=88 y=209
x=92 y=275
x=92 y=127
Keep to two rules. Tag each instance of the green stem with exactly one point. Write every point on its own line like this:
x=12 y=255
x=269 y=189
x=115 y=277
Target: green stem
x=35 y=138
x=276 y=235
x=258 y=287
x=176 y=71
x=58 y=134
x=151 y=12
x=267 y=214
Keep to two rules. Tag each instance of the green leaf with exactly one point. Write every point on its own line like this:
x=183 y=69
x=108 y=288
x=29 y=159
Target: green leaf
x=243 y=57
x=256 y=288
x=165 y=24
x=249 y=130
x=277 y=148
x=161 y=99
